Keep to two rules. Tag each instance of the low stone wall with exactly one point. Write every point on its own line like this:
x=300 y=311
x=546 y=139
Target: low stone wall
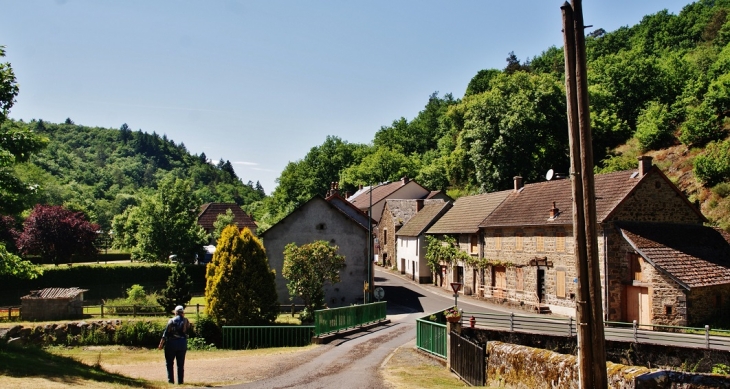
x=625 y=353
x=515 y=366
x=50 y=334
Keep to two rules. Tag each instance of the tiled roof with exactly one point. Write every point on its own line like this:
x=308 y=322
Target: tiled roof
x=428 y=215
x=55 y=293
x=349 y=209
x=209 y=213
x=693 y=255
x=531 y=205
x=467 y=213
x=361 y=199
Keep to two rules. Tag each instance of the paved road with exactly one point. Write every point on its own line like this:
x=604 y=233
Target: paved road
x=353 y=362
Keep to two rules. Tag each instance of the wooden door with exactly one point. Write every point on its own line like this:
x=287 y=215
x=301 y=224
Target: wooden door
x=638 y=305
x=500 y=281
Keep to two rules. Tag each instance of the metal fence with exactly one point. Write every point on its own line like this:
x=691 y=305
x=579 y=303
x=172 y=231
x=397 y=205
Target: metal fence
x=705 y=338
x=336 y=319
x=250 y=337
x=431 y=336
x=468 y=360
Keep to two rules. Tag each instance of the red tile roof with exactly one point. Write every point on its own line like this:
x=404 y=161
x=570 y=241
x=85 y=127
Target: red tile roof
x=531 y=205
x=692 y=255
x=467 y=213
x=361 y=199
x=209 y=214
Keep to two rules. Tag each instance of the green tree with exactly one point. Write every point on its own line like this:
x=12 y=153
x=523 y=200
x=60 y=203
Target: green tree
x=177 y=289
x=383 y=164
x=654 y=128
x=11 y=264
x=221 y=222
x=516 y=128
x=166 y=224
x=308 y=268
x=240 y=287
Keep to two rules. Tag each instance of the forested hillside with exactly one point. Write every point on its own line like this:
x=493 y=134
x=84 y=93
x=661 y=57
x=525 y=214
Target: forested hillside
x=104 y=171
x=661 y=87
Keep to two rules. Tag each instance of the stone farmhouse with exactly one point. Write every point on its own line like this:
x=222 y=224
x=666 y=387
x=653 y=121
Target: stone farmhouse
x=462 y=222
x=209 y=214
x=659 y=264
x=396 y=214
x=332 y=219
x=410 y=243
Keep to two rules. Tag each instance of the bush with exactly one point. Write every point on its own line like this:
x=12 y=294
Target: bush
x=141 y=333
x=722 y=189
x=206 y=328
x=136 y=297
x=702 y=125
x=713 y=166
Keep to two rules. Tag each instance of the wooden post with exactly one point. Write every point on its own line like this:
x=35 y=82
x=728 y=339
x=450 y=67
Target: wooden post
x=197 y=309
x=134 y=311
x=581 y=309
x=589 y=197
x=102 y=310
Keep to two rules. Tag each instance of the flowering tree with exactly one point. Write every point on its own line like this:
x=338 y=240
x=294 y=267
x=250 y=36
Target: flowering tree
x=307 y=268
x=56 y=233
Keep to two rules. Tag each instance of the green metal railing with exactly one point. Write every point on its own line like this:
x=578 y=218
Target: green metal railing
x=331 y=320
x=249 y=337
x=431 y=337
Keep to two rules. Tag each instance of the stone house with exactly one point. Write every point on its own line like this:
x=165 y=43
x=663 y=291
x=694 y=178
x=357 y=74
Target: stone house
x=209 y=214
x=411 y=244
x=53 y=304
x=529 y=249
x=396 y=214
x=336 y=221
x=462 y=222
x=377 y=195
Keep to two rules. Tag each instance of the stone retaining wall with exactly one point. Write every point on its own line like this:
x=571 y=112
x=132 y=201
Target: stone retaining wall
x=50 y=334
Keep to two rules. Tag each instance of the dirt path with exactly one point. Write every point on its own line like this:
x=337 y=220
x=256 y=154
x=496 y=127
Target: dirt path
x=202 y=369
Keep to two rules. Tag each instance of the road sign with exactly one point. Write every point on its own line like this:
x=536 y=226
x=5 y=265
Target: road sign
x=379 y=293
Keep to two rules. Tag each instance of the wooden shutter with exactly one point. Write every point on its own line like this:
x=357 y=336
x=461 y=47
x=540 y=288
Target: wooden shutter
x=560 y=283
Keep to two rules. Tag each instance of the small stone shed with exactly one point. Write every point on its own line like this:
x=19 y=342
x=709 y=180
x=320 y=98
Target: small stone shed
x=53 y=304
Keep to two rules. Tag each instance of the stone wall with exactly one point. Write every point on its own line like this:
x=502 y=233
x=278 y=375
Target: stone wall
x=55 y=333
x=52 y=309
x=515 y=366
x=709 y=305
x=624 y=353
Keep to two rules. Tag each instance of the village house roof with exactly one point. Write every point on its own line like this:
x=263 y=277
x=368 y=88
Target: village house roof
x=424 y=219
x=467 y=213
x=349 y=209
x=692 y=255
x=54 y=293
x=209 y=214
x=361 y=198
x=402 y=210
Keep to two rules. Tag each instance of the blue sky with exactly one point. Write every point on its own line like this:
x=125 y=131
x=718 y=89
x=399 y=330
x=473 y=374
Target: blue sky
x=259 y=83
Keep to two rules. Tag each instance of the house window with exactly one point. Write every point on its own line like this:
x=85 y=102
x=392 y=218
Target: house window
x=518 y=241
x=635 y=262
x=560 y=241
x=497 y=241
x=519 y=279
x=385 y=236
x=474 y=244
x=560 y=283
x=668 y=309
x=539 y=242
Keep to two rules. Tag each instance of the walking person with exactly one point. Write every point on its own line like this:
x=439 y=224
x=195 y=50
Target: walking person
x=175 y=341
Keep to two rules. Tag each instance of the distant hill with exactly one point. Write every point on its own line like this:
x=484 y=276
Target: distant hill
x=103 y=171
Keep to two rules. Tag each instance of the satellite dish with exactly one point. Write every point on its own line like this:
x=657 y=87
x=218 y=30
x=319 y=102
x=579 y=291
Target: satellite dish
x=549 y=174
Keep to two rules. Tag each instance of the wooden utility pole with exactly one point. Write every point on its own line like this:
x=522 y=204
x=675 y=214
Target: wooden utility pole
x=589 y=310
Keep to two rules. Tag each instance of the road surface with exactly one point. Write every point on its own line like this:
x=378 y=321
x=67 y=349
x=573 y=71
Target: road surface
x=353 y=362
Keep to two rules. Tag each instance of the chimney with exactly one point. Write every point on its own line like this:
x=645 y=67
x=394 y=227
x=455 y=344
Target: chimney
x=335 y=188
x=360 y=187
x=518 y=183
x=554 y=211
x=405 y=180
x=644 y=165
x=347 y=194
x=419 y=204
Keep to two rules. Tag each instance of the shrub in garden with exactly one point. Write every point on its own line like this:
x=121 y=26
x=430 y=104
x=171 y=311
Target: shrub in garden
x=136 y=297
x=206 y=328
x=177 y=291
x=240 y=288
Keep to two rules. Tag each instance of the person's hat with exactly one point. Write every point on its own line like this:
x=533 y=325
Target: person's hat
x=179 y=308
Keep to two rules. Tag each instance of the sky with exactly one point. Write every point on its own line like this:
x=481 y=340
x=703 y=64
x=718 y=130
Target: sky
x=261 y=82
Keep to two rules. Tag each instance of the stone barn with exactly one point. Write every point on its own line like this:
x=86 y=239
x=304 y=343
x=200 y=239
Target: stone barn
x=53 y=304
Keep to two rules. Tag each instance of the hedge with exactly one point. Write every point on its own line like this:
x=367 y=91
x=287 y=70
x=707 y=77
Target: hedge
x=103 y=282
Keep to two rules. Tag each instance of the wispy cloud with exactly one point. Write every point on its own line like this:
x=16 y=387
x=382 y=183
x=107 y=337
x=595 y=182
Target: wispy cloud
x=262 y=170
x=246 y=163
